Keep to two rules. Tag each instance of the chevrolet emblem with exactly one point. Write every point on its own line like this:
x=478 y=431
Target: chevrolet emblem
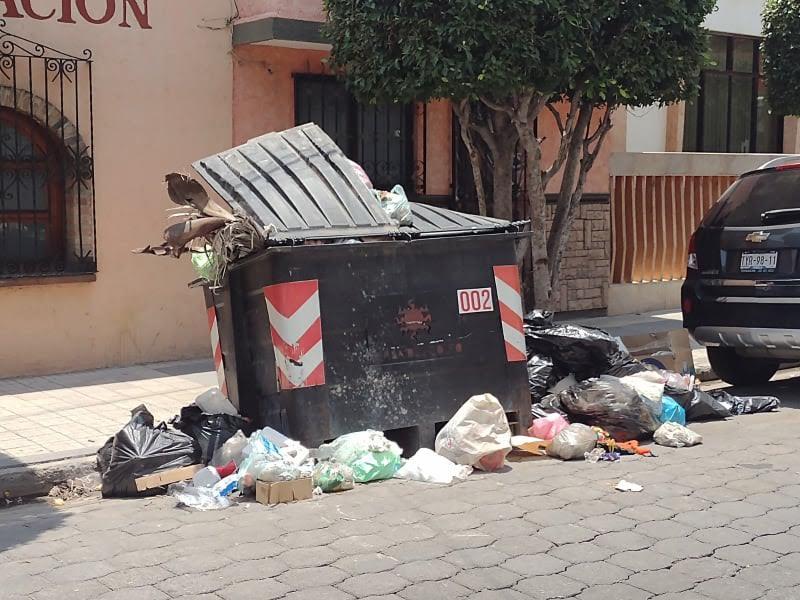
x=757 y=237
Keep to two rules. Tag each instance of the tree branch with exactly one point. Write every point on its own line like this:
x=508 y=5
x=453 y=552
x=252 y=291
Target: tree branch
x=463 y=111
x=556 y=116
x=495 y=106
x=567 y=133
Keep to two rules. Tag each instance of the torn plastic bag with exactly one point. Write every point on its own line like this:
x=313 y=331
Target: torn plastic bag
x=140 y=448
x=573 y=442
x=699 y=405
x=583 y=351
x=368 y=453
x=676 y=435
x=608 y=403
x=333 y=477
x=745 y=405
x=429 y=467
x=478 y=434
x=210 y=431
x=541 y=376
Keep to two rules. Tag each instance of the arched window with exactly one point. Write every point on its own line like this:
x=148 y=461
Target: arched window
x=32 y=193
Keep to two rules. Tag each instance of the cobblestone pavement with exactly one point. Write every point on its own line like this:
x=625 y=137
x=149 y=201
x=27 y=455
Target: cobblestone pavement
x=716 y=522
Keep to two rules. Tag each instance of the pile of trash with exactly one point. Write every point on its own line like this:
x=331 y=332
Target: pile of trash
x=208 y=456
x=592 y=400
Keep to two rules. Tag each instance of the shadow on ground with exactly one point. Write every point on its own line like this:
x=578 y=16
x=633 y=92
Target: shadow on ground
x=786 y=390
x=19 y=527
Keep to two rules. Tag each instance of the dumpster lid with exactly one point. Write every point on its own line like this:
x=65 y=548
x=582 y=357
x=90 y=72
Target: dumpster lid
x=431 y=221
x=299 y=181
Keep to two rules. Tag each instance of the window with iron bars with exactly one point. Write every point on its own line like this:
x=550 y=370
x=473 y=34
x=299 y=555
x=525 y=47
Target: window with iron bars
x=47 y=219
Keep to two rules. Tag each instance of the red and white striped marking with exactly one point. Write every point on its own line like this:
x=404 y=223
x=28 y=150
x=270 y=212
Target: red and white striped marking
x=509 y=294
x=216 y=350
x=296 y=329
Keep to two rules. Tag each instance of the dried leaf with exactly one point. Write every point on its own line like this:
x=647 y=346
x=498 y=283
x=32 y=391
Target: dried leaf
x=181 y=234
x=186 y=191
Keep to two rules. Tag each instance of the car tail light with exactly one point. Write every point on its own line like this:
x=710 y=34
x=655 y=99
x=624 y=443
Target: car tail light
x=788 y=167
x=687 y=305
x=691 y=260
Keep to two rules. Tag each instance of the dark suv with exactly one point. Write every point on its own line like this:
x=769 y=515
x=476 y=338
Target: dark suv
x=741 y=298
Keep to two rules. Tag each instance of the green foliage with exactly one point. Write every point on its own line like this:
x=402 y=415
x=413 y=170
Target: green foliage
x=781 y=50
x=630 y=52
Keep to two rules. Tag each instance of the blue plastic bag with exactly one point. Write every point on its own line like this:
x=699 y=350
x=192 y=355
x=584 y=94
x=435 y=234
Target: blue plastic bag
x=671 y=411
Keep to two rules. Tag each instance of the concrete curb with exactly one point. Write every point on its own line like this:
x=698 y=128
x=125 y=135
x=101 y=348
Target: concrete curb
x=26 y=479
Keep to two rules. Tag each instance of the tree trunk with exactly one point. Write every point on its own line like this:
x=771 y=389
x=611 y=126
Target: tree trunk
x=588 y=154
x=503 y=180
x=561 y=226
x=464 y=115
x=534 y=190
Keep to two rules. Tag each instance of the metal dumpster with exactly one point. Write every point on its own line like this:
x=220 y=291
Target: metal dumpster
x=348 y=321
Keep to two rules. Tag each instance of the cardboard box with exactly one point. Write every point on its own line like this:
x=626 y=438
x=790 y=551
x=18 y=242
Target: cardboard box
x=284 y=491
x=528 y=451
x=670 y=350
x=148 y=482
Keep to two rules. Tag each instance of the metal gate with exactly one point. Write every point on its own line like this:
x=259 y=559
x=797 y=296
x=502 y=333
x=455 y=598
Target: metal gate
x=379 y=137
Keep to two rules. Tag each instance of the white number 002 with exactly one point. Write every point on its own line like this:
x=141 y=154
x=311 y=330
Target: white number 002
x=475 y=301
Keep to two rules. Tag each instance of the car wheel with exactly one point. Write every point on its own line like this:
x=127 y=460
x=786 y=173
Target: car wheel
x=741 y=370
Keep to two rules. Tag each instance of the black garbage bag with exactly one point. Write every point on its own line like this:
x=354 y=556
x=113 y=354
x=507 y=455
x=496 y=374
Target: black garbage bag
x=699 y=405
x=539 y=318
x=745 y=405
x=542 y=375
x=141 y=448
x=608 y=403
x=583 y=351
x=210 y=431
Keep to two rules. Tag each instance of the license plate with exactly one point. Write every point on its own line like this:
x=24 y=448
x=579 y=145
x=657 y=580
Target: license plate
x=476 y=300
x=753 y=262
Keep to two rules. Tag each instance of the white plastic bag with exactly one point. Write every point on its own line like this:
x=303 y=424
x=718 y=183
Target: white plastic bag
x=573 y=442
x=395 y=204
x=231 y=450
x=676 y=435
x=429 y=467
x=201 y=498
x=213 y=402
x=650 y=386
x=478 y=435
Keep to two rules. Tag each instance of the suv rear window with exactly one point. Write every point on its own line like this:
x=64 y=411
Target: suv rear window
x=745 y=201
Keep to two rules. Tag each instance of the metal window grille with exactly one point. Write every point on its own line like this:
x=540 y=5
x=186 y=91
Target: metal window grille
x=47 y=191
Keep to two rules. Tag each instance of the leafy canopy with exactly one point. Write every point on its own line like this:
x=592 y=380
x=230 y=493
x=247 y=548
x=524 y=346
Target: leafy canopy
x=631 y=52
x=781 y=49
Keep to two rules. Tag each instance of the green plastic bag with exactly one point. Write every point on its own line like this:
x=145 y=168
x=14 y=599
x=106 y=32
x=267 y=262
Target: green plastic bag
x=368 y=453
x=205 y=264
x=333 y=477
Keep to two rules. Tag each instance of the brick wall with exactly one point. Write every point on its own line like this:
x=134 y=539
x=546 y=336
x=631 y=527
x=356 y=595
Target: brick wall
x=586 y=263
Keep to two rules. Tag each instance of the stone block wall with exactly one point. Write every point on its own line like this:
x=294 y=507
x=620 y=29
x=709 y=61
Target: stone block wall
x=586 y=264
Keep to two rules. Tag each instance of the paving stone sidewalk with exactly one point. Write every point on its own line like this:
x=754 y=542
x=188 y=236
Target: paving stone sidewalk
x=46 y=418
x=717 y=522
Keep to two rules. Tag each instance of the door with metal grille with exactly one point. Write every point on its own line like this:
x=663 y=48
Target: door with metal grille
x=378 y=137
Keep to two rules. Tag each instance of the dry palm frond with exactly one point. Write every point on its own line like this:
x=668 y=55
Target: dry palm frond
x=186 y=191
